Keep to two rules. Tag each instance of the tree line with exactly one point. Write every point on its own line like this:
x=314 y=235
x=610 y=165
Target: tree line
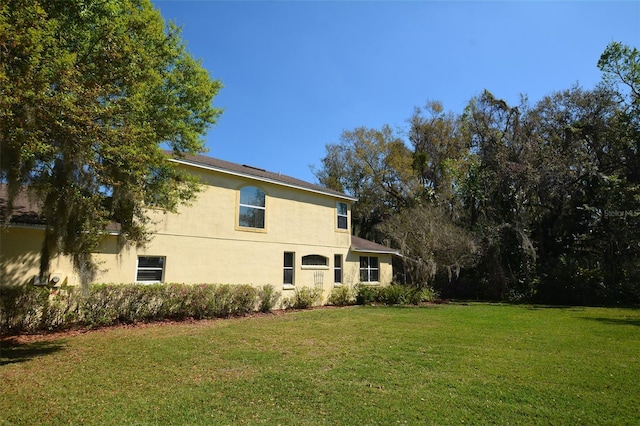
x=529 y=202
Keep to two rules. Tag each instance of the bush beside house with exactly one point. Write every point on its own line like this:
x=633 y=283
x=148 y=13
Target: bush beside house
x=30 y=309
x=34 y=309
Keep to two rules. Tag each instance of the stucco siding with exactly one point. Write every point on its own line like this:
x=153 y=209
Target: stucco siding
x=204 y=243
x=292 y=215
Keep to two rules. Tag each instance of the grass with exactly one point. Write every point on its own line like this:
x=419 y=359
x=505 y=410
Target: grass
x=447 y=364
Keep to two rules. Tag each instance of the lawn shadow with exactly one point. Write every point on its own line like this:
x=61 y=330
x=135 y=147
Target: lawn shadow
x=616 y=321
x=567 y=307
x=12 y=351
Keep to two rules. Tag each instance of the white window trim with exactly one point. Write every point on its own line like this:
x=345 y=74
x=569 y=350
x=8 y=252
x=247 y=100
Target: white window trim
x=338 y=216
x=323 y=267
x=335 y=268
x=250 y=206
x=293 y=271
x=147 y=268
x=369 y=269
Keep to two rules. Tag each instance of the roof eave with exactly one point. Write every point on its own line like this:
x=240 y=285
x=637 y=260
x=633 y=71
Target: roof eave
x=43 y=227
x=364 y=250
x=261 y=179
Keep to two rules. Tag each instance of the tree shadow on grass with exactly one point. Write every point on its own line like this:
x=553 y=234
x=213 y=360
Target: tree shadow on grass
x=12 y=351
x=566 y=307
x=617 y=321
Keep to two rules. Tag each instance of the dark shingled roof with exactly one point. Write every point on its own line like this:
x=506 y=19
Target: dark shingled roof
x=362 y=245
x=256 y=173
x=27 y=212
x=25 y=209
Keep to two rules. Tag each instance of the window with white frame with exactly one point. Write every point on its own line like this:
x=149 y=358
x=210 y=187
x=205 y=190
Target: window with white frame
x=252 y=208
x=150 y=269
x=342 y=215
x=337 y=269
x=369 y=269
x=288 y=267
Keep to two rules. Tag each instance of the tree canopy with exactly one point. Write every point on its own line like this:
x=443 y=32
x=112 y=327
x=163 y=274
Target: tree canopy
x=91 y=91
x=527 y=202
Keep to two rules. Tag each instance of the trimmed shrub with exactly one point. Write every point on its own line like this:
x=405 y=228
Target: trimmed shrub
x=267 y=298
x=303 y=298
x=422 y=295
x=244 y=299
x=366 y=294
x=32 y=309
x=395 y=294
x=23 y=309
x=341 y=296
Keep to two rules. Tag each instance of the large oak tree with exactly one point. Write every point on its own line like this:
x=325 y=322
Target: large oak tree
x=91 y=91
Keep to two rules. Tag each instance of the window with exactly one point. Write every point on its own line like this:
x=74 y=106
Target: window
x=337 y=268
x=369 y=271
x=150 y=269
x=288 y=267
x=343 y=218
x=314 y=260
x=252 y=208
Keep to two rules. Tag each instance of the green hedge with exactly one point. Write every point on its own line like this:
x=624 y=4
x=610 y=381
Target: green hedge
x=35 y=309
x=395 y=294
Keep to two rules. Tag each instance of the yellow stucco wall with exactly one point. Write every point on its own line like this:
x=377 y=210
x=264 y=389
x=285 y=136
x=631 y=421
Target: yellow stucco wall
x=20 y=256
x=202 y=243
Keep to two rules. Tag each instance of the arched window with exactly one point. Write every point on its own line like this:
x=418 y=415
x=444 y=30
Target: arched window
x=314 y=260
x=252 y=208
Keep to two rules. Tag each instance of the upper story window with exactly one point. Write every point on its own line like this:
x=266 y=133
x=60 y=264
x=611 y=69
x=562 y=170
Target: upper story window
x=342 y=214
x=252 y=208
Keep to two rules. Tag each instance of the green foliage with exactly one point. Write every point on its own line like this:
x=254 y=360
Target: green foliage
x=33 y=309
x=303 y=298
x=422 y=295
x=620 y=64
x=89 y=92
x=395 y=294
x=268 y=298
x=366 y=294
x=509 y=202
x=430 y=243
x=341 y=296
x=22 y=308
x=375 y=167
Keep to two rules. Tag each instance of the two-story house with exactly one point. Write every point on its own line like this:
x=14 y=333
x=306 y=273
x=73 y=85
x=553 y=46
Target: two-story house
x=247 y=226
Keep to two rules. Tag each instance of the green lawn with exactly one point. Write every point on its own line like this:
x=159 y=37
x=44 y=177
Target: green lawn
x=446 y=364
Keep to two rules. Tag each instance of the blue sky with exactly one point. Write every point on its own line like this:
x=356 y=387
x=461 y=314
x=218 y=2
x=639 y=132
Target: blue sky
x=298 y=73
